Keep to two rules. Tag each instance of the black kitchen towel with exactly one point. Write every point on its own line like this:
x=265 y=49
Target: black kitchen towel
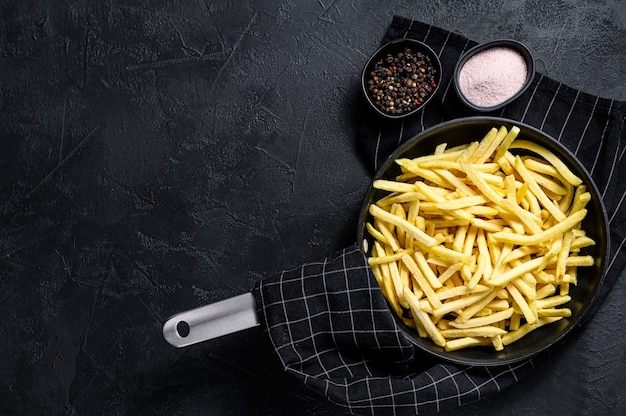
x=331 y=328
x=329 y=323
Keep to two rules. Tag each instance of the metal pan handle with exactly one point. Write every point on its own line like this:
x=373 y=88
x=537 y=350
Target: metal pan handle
x=211 y=321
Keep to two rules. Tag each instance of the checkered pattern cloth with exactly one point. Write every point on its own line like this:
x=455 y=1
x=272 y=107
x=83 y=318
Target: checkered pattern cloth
x=331 y=328
x=328 y=321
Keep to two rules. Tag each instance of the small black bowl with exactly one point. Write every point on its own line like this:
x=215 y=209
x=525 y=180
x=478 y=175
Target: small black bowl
x=394 y=47
x=504 y=43
x=595 y=224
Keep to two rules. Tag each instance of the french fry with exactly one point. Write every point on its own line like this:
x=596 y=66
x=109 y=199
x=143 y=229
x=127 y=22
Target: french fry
x=427 y=272
x=550 y=157
x=460 y=291
x=386 y=229
x=388 y=258
x=374 y=232
x=480 y=331
x=579 y=261
x=460 y=343
x=423 y=318
x=497 y=343
x=393 y=186
x=398 y=284
x=553 y=301
x=526 y=328
x=563 y=312
x=545 y=235
x=520 y=301
x=506 y=143
x=399 y=198
x=511 y=274
x=476 y=246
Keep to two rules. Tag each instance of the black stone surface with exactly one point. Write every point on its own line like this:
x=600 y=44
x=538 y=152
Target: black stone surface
x=157 y=156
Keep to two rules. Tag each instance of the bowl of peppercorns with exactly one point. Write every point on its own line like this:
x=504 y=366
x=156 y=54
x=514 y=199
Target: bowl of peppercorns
x=401 y=77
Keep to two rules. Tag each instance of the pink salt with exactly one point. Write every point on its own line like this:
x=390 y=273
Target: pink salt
x=492 y=76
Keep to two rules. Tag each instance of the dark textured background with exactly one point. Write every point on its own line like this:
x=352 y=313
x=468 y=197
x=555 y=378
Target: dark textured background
x=157 y=156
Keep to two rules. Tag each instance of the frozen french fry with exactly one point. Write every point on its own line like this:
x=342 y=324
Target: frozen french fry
x=476 y=245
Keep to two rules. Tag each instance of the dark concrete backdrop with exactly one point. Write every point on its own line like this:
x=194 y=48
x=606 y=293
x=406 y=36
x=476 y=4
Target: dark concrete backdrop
x=157 y=156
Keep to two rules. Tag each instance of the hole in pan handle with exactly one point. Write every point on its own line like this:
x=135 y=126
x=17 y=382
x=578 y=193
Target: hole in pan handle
x=211 y=321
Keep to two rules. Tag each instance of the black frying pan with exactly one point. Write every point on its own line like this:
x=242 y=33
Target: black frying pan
x=590 y=279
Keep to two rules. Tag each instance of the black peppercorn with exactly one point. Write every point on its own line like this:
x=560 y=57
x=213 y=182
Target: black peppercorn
x=406 y=78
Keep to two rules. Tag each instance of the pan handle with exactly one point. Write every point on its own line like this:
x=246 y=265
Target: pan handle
x=211 y=321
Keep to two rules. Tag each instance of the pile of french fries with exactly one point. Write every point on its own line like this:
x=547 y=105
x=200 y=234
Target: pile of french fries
x=475 y=245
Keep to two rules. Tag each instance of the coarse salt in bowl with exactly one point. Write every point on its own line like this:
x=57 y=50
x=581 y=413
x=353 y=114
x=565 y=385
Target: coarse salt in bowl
x=491 y=75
